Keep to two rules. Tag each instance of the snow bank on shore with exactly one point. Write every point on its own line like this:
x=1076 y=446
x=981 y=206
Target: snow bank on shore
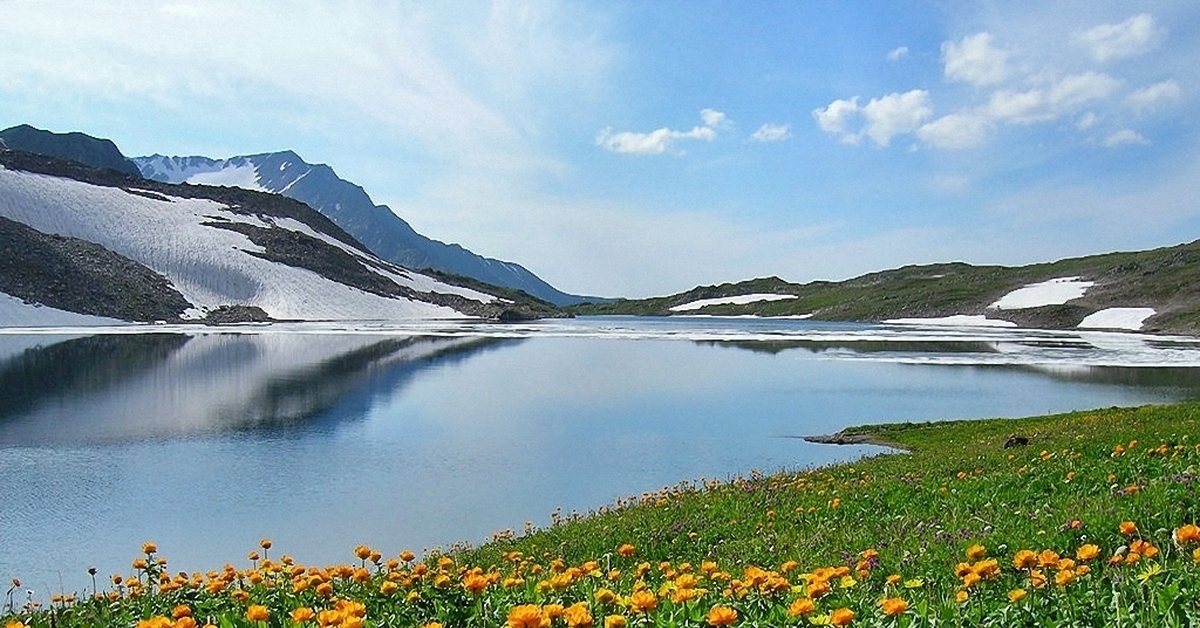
x=736 y=300
x=1131 y=318
x=1050 y=292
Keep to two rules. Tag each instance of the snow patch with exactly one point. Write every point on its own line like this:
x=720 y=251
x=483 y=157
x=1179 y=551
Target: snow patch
x=735 y=300
x=241 y=176
x=1050 y=292
x=1131 y=318
x=958 y=320
x=16 y=313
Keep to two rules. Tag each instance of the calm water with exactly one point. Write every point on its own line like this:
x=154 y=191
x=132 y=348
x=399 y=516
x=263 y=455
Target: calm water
x=322 y=438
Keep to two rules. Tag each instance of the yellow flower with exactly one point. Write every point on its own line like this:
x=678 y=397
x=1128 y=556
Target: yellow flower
x=961 y=596
x=615 y=621
x=1064 y=577
x=1196 y=555
x=302 y=614
x=1087 y=552
x=976 y=552
x=841 y=617
x=721 y=616
x=257 y=612
x=1016 y=595
x=893 y=606
x=388 y=587
x=606 y=596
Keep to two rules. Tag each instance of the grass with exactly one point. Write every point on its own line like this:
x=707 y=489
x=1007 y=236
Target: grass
x=1090 y=523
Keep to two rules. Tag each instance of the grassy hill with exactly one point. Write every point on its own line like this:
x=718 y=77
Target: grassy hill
x=1166 y=279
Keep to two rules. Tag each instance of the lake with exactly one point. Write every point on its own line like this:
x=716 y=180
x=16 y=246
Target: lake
x=322 y=437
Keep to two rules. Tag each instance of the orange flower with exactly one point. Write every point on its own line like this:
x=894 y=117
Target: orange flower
x=1024 y=559
x=149 y=547
x=182 y=610
x=363 y=552
x=976 y=552
x=1064 y=577
x=1087 y=552
x=303 y=614
x=721 y=616
x=802 y=606
x=643 y=601
x=525 y=616
x=841 y=617
x=578 y=616
x=961 y=596
x=1189 y=533
x=1128 y=528
x=893 y=606
x=1016 y=595
x=407 y=556
x=257 y=612
x=265 y=544
x=1037 y=578
x=615 y=621
x=626 y=550
x=476 y=583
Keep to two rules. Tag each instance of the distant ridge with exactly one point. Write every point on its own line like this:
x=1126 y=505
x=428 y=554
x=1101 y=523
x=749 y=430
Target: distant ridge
x=348 y=205
x=75 y=146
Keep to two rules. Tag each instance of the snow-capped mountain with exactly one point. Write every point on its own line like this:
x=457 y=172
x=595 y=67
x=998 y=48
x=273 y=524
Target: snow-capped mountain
x=383 y=232
x=196 y=252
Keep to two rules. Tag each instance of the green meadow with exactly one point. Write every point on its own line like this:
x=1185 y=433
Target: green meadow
x=1081 y=519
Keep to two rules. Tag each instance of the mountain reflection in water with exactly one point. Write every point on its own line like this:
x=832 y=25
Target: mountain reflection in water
x=120 y=388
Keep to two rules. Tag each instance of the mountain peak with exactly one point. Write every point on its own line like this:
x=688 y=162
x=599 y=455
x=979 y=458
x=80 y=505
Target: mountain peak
x=78 y=147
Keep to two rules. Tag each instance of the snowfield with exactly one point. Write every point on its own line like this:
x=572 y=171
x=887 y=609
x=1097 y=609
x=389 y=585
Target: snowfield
x=736 y=300
x=1050 y=292
x=1130 y=318
x=16 y=313
x=958 y=320
x=209 y=266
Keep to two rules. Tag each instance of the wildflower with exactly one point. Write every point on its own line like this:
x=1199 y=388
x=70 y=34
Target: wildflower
x=615 y=621
x=1149 y=572
x=1016 y=595
x=407 y=556
x=433 y=624
x=149 y=548
x=643 y=601
x=475 y=583
x=893 y=579
x=257 y=612
x=389 y=587
x=1189 y=533
x=182 y=610
x=1196 y=555
x=721 y=616
x=1128 y=528
x=626 y=550
x=302 y=614
x=526 y=616
x=914 y=583
x=1064 y=577
x=1087 y=552
x=801 y=606
x=1037 y=578
x=836 y=502
x=841 y=617
x=961 y=596
x=578 y=616
x=605 y=596
x=893 y=606
x=1024 y=559
x=976 y=552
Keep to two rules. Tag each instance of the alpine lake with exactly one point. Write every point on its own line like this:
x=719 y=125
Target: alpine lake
x=322 y=437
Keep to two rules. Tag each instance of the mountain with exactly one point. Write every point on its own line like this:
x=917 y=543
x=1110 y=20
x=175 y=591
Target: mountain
x=78 y=147
x=383 y=232
x=105 y=243
x=1155 y=291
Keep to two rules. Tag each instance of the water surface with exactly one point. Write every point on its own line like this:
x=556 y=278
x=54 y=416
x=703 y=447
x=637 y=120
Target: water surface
x=324 y=437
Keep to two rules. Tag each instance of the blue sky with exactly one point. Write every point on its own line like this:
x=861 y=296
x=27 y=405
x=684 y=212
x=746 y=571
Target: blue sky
x=642 y=148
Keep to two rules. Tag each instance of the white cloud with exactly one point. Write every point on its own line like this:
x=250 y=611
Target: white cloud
x=956 y=131
x=836 y=118
x=898 y=53
x=1061 y=98
x=896 y=113
x=974 y=60
x=660 y=140
x=711 y=117
x=1125 y=137
x=1116 y=41
x=1151 y=97
x=884 y=117
x=772 y=133
x=1086 y=121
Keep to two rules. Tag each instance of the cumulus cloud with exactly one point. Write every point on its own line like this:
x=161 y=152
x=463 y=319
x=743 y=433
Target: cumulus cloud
x=772 y=133
x=974 y=60
x=956 y=131
x=1116 y=41
x=897 y=53
x=883 y=118
x=1062 y=97
x=1125 y=137
x=1151 y=97
x=660 y=140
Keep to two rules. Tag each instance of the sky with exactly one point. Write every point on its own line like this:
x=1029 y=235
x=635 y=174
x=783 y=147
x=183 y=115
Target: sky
x=643 y=148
